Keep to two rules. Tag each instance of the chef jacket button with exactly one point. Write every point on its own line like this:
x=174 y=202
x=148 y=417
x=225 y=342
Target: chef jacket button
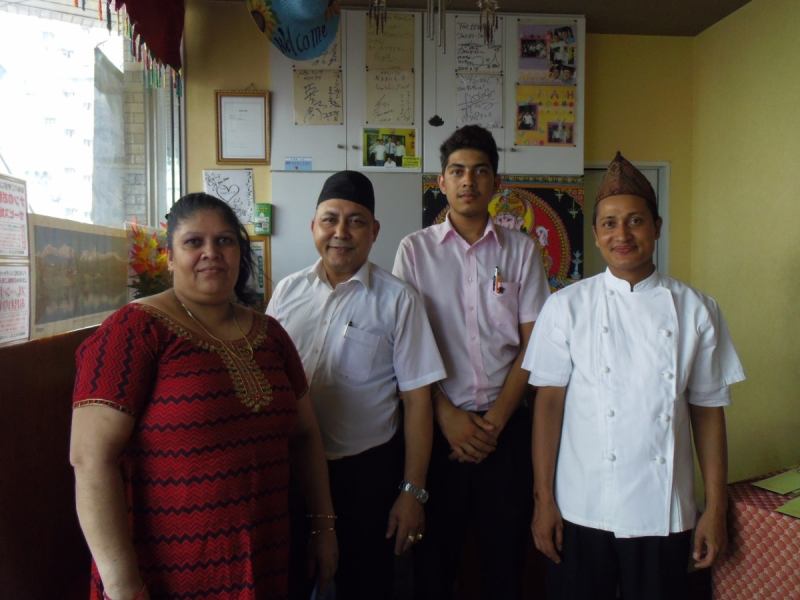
x=668 y=375
x=605 y=329
x=661 y=460
x=666 y=418
x=666 y=333
x=612 y=457
x=606 y=370
x=610 y=412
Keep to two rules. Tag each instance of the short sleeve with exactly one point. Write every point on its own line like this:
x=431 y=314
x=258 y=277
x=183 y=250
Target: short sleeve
x=403 y=267
x=117 y=364
x=292 y=362
x=534 y=289
x=716 y=365
x=416 y=358
x=548 y=356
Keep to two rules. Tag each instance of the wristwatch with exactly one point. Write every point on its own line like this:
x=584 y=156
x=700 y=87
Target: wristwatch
x=421 y=494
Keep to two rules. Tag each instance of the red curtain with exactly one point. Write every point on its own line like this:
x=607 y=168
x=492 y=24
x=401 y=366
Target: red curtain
x=160 y=25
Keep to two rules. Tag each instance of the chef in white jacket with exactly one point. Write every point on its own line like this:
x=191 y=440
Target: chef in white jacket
x=628 y=364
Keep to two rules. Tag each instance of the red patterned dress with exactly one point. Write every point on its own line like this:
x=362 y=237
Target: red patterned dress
x=206 y=471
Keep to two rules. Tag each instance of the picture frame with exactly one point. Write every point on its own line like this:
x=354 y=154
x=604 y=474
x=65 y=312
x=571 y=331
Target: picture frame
x=243 y=127
x=261 y=279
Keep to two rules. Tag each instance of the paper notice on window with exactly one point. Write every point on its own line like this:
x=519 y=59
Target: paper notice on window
x=390 y=97
x=394 y=47
x=318 y=97
x=472 y=51
x=479 y=100
x=15 y=303
x=13 y=217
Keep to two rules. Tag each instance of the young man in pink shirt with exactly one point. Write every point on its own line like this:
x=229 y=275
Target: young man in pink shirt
x=483 y=287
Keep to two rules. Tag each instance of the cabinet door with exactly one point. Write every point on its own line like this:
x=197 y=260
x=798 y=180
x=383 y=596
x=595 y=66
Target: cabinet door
x=299 y=146
x=364 y=92
x=463 y=85
x=546 y=159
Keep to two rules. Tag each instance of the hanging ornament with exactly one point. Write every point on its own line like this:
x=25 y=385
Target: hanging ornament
x=488 y=10
x=377 y=14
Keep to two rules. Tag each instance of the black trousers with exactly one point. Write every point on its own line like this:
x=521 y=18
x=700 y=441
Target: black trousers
x=493 y=499
x=595 y=565
x=364 y=488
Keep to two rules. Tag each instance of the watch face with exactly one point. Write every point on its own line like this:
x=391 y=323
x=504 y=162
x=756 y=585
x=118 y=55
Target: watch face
x=422 y=496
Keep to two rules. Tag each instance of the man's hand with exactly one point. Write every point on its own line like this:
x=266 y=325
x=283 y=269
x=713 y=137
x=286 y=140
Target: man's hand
x=471 y=437
x=323 y=557
x=406 y=522
x=710 y=539
x=548 y=529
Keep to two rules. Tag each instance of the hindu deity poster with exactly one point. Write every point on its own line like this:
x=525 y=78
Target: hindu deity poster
x=549 y=209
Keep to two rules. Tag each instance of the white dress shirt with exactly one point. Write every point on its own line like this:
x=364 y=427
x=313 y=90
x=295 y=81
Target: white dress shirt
x=476 y=326
x=632 y=362
x=359 y=342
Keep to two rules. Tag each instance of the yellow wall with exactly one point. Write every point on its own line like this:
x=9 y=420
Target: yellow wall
x=639 y=101
x=224 y=50
x=745 y=215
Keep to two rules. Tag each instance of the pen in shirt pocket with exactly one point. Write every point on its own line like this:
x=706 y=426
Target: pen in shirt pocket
x=497 y=282
x=346 y=327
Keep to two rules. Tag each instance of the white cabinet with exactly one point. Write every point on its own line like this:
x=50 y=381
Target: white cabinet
x=340 y=146
x=441 y=85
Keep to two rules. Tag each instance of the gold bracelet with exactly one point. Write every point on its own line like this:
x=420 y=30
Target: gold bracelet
x=318 y=531
x=313 y=516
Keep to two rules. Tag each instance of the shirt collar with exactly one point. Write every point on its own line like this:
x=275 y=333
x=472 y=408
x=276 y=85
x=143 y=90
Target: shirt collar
x=620 y=285
x=447 y=231
x=362 y=276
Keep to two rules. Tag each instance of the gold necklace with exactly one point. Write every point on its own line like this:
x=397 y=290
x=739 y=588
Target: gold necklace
x=252 y=387
x=224 y=344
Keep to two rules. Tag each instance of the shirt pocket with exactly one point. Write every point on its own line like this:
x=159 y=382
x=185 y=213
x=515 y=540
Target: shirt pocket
x=502 y=308
x=358 y=352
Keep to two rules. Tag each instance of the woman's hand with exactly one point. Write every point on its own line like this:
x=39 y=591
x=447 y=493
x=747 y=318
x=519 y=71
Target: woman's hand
x=323 y=557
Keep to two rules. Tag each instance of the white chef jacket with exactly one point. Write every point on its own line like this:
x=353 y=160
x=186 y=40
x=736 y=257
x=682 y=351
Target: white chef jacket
x=359 y=342
x=632 y=361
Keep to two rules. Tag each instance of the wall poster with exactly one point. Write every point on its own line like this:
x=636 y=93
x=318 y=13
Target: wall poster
x=547 y=208
x=15 y=303
x=79 y=274
x=13 y=218
x=545 y=115
x=233 y=186
x=547 y=54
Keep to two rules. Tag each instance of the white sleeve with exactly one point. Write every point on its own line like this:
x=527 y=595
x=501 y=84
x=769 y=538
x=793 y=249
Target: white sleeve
x=548 y=356
x=417 y=361
x=716 y=364
x=534 y=289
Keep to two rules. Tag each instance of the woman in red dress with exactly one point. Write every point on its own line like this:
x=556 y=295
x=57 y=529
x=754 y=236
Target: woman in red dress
x=190 y=412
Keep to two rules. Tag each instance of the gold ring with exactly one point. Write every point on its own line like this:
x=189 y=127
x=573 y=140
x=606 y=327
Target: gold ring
x=420 y=535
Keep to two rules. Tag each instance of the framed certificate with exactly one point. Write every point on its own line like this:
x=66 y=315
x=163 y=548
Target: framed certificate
x=242 y=126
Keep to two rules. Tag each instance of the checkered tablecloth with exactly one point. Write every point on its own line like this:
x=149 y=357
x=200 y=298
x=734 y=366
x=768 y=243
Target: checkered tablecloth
x=763 y=557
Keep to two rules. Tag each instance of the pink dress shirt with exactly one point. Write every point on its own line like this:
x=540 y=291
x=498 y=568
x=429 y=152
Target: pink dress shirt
x=476 y=326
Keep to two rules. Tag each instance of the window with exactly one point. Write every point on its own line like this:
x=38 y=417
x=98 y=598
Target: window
x=78 y=123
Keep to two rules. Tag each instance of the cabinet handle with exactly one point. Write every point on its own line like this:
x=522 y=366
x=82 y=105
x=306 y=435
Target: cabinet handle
x=341 y=146
x=512 y=149
x=501 y=149
x=355 y=147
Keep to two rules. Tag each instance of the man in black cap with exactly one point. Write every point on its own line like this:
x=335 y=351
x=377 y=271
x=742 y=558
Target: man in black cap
x=362 y=335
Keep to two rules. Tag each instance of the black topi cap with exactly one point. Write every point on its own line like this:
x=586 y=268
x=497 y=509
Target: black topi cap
x=349 y=185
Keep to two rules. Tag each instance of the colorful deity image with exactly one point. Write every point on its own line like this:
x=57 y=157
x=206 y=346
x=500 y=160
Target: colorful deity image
x=549 y=209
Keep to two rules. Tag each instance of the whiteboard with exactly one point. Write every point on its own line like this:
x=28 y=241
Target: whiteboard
x=398 y=207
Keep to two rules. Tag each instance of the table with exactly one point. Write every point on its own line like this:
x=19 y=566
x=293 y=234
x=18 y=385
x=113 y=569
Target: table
x=763 y=557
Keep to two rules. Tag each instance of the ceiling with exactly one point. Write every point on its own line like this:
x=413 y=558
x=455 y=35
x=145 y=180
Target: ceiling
x=640 y=17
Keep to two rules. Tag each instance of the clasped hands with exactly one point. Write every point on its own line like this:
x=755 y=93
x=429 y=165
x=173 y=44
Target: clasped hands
x=472 y=437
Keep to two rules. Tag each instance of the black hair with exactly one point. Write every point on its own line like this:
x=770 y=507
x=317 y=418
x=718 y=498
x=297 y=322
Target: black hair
x=473 y=137
x=187 y=206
